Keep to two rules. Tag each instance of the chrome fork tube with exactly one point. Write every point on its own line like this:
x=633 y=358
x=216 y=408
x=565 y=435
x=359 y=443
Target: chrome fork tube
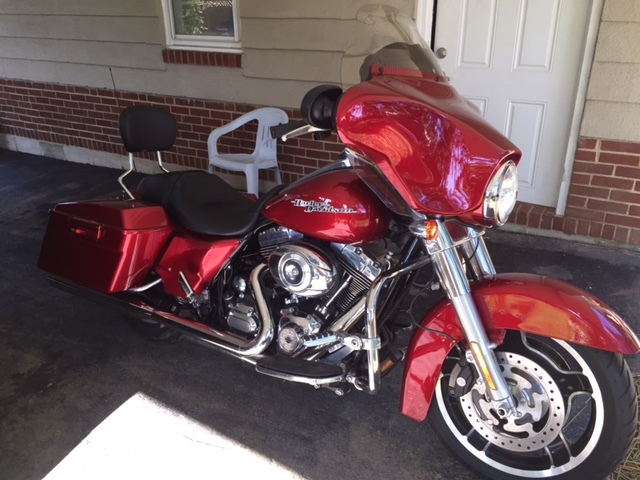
x=452 y=277
x=477 y=257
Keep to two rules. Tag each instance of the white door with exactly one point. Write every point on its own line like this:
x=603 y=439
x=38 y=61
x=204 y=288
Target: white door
x=520 y=62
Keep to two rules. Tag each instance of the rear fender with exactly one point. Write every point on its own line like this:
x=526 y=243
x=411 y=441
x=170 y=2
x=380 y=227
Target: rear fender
x=523 y=302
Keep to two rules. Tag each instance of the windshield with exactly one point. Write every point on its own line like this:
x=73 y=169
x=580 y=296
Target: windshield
x=386 y=38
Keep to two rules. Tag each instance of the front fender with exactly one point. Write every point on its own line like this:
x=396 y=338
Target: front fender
x=515 y=301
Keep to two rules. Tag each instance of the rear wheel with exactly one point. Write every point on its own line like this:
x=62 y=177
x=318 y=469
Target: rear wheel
x=578 y=405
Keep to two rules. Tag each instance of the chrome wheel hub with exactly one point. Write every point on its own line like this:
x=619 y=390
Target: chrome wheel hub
x=539 y=402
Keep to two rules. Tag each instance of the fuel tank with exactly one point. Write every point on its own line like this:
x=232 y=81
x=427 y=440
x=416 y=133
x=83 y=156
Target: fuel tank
x=335 y=206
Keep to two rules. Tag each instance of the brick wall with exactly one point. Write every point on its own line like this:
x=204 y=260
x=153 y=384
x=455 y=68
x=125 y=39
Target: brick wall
x=604 y=198
x=88 y=118
x=603 y=203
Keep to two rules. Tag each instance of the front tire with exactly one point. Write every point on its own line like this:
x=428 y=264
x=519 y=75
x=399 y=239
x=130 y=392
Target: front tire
x=579 y=411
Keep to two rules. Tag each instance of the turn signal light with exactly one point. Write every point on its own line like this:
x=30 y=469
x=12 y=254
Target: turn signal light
x=431 y=230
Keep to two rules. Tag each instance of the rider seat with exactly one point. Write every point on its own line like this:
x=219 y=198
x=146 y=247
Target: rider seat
x=204 y=203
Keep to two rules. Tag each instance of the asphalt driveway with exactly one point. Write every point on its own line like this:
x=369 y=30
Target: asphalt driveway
x=66 y=364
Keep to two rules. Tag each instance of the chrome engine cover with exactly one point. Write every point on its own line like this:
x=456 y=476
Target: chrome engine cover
x=355 y=257
x=294 y=325
x=243 y=317
x=303 y=270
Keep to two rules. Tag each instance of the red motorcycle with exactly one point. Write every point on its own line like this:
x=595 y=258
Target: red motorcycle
x=522 y=376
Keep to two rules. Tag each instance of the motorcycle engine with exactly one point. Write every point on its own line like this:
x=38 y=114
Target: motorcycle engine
x=303 y=270
x=312 y=286
x=321 y=284
x=242 y=313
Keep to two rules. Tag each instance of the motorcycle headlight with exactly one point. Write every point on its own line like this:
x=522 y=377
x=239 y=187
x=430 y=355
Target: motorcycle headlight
x=500 y=196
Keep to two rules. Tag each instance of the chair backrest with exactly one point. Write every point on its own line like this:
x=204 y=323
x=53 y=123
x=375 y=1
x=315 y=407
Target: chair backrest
x=145 y=128
x=267 y=117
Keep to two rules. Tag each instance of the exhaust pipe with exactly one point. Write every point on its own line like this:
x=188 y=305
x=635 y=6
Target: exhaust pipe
x=131 y=305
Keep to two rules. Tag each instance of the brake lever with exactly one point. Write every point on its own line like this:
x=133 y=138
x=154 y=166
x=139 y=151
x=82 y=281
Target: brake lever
x=301 y=131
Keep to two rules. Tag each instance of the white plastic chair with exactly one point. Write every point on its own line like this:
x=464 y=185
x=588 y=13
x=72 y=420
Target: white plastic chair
x=264 y=155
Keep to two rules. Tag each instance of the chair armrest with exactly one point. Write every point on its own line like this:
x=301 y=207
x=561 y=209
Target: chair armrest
x=214 y=136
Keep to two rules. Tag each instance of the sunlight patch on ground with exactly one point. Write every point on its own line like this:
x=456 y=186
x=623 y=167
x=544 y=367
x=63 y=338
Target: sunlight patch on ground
x=144 y=439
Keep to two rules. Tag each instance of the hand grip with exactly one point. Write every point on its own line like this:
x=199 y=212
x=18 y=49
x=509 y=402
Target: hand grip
x=284 y=128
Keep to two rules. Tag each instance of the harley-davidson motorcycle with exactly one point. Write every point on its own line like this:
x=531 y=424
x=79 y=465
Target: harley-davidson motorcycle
x=522 y=376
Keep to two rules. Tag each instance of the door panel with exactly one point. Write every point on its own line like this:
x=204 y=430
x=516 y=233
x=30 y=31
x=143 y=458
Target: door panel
x=480 y=102
x=524 y=128
x=519 y=61
x=537 y=29
x=476 y=37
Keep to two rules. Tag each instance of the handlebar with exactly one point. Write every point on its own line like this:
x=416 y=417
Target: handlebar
x=284 y=128
x=289 y=130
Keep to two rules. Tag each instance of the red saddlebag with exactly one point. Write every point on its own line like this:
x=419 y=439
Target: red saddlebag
x=108 y=246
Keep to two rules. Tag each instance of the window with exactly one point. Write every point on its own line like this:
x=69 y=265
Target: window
x=202 y=25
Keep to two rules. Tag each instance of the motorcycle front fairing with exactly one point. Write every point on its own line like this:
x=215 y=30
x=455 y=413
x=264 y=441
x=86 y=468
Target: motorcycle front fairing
x=522 y=302
x=428 y=142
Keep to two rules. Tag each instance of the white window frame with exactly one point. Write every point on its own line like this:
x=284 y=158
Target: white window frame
x=201 y=42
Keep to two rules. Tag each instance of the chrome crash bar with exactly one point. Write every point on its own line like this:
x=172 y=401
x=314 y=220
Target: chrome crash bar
x=373 y=355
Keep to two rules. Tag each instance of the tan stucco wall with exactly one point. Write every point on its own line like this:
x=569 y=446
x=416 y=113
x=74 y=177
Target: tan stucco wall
x=612 y=110
x=289 y=46
x=301 y=40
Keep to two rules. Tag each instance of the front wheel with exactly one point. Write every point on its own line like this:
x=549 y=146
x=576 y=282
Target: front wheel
x=578 y=405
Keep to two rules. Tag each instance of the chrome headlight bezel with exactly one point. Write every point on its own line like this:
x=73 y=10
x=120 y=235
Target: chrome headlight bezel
x=500 y=195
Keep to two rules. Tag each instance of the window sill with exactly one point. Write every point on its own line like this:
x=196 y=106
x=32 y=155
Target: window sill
x=194 y=57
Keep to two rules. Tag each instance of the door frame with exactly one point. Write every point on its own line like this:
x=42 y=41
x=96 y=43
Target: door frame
x=425 y=21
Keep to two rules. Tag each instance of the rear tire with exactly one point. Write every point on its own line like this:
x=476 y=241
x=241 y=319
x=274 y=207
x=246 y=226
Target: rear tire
x=579 y=413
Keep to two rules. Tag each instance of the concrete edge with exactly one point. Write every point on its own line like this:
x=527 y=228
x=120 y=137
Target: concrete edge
x=538 y=232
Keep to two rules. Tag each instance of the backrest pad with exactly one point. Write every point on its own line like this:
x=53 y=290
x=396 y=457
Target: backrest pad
x=146 y=128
